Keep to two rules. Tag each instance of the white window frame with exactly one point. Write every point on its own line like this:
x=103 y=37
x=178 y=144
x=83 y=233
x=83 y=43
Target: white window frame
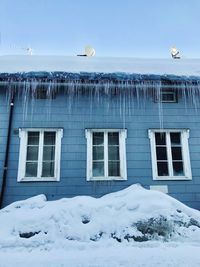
x=122 y=154
x=185 y=154
x=23 y=134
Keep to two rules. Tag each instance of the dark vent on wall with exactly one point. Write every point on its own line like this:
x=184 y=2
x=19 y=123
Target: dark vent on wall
x=166 y=95
x=43 y=93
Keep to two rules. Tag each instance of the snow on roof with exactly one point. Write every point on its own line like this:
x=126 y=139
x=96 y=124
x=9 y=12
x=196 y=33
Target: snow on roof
x=74 y=64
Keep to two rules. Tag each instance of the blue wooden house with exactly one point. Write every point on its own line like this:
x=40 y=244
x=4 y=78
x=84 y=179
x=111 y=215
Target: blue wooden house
x=89 y=126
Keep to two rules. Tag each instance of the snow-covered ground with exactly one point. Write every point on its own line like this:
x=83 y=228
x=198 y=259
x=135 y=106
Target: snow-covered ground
x=132 y=227
x=150 y=254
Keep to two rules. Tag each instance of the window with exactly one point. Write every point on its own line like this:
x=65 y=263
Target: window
x=106 y=154
x=166 y=95
x=170 y=154
x=39 y=158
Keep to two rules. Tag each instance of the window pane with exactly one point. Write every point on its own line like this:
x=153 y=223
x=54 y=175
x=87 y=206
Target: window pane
x=48 y=169
x=49 y=138
x=98 y=152
x=113 y=153
x=162 y=168
x=161 y=153
x=160 y=138
x=31 y=169
x=176 y=153
x=113 y=168
x=32 y=153
x=98 y=169
x=178 y=168
x=33 y=138
x=113 y=138
x=98 y=138
x=175 y=138
x=48 y=153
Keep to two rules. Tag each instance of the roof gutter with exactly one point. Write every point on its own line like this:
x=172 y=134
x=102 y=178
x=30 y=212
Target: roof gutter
x=8 y=138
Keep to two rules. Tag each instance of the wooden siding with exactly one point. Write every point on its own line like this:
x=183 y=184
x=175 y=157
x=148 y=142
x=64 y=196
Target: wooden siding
x=74 y=120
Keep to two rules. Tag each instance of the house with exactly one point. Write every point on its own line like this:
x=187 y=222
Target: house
x=89 y=126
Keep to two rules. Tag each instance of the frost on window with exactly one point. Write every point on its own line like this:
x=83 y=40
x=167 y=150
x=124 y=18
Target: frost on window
x=105 y=160
x=39 y=158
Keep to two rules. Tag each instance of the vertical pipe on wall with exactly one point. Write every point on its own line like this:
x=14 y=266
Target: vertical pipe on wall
x=5 y=169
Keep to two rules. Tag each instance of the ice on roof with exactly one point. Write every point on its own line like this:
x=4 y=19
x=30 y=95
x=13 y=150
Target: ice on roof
x=74 y=64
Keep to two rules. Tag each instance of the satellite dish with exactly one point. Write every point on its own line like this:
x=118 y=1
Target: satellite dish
x=175 y=53
x=29 y=50
x=89 y=52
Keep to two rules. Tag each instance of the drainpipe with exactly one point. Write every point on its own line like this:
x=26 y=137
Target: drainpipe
x=4 y=176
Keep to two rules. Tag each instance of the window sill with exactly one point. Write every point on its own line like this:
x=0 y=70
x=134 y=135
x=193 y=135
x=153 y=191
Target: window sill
x=107 y=179
x=43 y=179
x=172 y=178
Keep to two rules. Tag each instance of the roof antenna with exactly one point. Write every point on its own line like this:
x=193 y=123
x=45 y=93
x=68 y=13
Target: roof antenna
x=175 y=53
x=89 y=52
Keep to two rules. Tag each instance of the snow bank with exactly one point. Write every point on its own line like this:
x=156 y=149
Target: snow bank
x=182 y=67
x=133 y=214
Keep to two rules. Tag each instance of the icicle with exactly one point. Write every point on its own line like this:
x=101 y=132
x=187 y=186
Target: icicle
x=114 y=97
x=158 y=88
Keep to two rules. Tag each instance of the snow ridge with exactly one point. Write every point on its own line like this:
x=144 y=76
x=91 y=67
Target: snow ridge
x=132 y=214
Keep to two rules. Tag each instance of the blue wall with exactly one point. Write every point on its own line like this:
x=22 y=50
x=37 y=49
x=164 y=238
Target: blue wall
x=77 y=113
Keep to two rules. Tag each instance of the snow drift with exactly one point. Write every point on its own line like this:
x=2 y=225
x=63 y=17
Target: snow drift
x=132 y=214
